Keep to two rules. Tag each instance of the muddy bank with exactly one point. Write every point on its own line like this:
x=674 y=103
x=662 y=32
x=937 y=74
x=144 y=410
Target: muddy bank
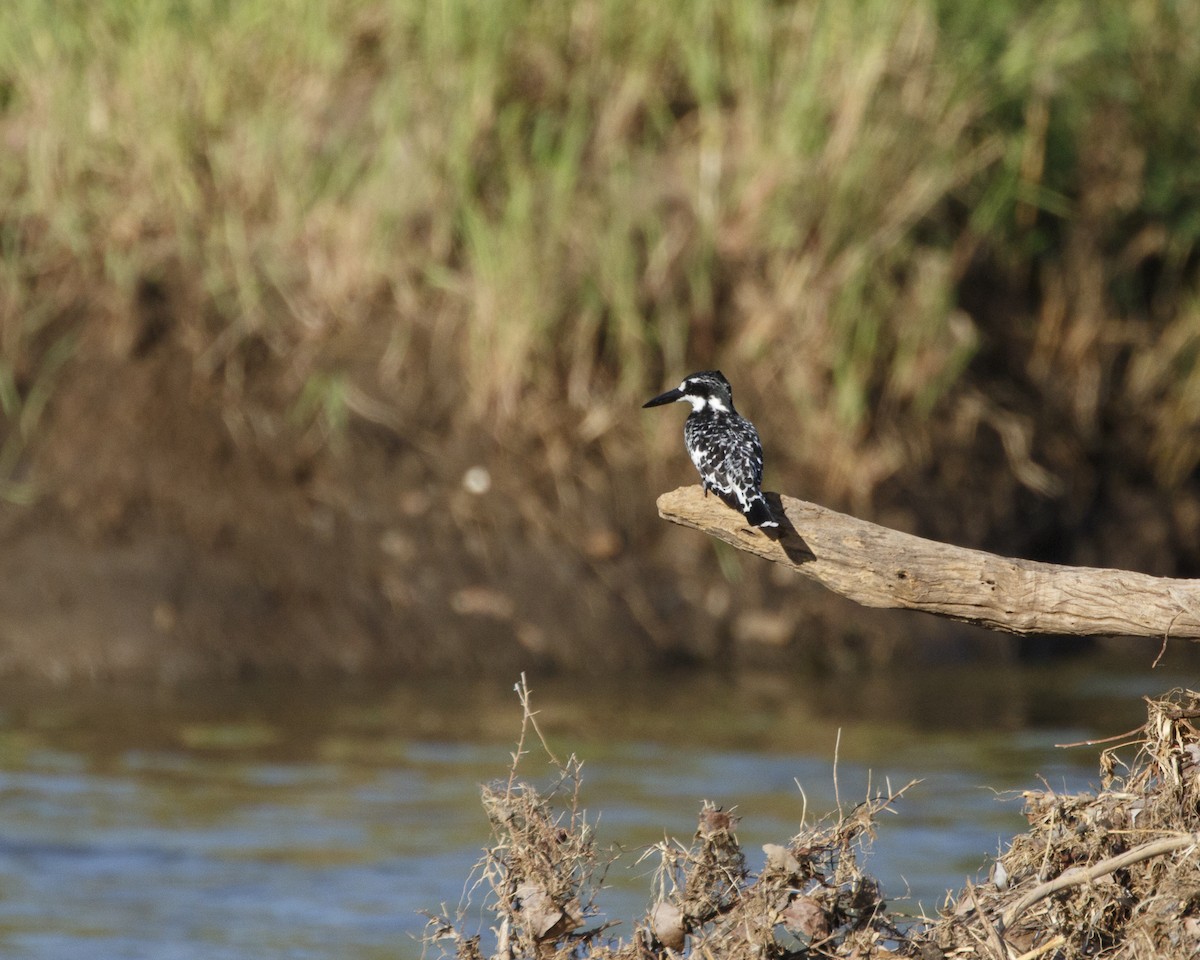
x=165 y=540
x=160 y=544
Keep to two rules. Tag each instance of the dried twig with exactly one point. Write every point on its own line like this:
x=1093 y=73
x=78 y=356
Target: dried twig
x=1081 y=875
x=994 y=940
x=528 y=719
x=1052 y=944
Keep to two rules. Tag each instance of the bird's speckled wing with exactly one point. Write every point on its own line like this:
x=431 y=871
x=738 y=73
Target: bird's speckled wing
x=728 y=455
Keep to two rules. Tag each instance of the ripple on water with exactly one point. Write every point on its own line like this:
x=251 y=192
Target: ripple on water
x=275 y=823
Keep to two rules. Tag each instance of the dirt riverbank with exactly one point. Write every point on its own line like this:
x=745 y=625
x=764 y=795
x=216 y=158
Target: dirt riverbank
x=165 y=540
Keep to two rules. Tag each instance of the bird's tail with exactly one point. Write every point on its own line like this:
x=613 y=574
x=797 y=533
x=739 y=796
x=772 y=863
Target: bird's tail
x=758 y=514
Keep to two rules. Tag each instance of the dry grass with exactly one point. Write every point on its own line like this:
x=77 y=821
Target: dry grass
x=534 y=213
x=1113 y=873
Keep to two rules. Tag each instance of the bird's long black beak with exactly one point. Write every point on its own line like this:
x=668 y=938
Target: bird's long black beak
x=669 y=397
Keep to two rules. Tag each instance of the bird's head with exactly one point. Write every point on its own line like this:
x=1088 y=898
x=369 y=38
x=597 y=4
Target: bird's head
x=706 y=389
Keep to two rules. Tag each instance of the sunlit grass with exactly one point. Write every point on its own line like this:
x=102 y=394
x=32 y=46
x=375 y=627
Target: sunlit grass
x=530 y=203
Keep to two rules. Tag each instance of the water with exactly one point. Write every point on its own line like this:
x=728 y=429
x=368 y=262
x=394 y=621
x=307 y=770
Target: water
x=315 y=821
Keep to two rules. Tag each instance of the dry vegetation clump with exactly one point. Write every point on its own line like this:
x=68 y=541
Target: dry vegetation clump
x=1113 y=874
x=811 y=897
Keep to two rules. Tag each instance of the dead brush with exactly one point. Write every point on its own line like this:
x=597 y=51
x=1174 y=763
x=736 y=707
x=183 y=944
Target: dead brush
x=811 y=898
x=542 y=872
x=1113 y=873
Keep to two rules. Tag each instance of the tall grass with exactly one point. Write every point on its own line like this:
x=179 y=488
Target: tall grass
x=535 y=212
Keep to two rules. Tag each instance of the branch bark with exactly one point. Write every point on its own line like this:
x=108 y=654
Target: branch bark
x=878 y=567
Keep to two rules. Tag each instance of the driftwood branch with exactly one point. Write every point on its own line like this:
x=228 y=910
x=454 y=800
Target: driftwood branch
x=878 y=567
x=1081 y=875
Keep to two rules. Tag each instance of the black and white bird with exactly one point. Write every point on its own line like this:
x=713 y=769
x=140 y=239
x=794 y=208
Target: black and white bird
x=723 y=444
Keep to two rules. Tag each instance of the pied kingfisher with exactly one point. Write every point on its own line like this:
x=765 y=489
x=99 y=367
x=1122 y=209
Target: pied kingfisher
x=723 y=444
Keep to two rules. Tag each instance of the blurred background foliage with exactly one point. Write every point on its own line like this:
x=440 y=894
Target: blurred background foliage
x=945 y=251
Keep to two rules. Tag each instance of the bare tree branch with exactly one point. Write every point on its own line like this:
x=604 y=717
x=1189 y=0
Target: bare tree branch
x=878 y=567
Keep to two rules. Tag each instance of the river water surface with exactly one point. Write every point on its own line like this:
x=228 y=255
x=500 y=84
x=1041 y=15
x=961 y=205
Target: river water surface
x=273 y=821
